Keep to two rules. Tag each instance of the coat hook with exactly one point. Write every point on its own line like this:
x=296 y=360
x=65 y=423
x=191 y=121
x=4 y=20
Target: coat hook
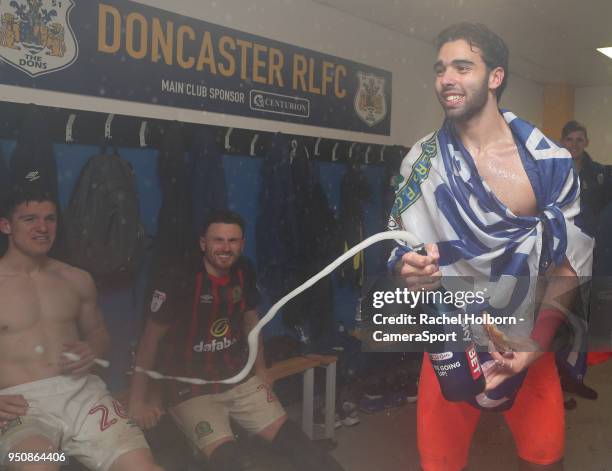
x=294 y=147
x=142 y=134
x=382 y=154
x=253 y=142
x=316 y=148
x=107 y=127
x=334 y=149
x=367 y=154
x=351 y=150
x=69 y=126
x=228 y=147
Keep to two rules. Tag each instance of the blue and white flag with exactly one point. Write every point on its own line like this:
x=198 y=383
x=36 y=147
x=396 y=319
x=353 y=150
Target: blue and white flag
x=442 y=199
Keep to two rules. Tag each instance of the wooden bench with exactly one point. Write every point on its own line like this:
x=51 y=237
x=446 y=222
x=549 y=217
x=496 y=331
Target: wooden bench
x=306 y=365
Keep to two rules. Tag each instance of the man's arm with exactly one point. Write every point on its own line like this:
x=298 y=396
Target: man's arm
x=250 y=320
x=94 y=338
x=146 y=416
x=558 y=297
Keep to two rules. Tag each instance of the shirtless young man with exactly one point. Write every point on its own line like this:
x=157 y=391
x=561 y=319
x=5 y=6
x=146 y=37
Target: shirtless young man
x=481 y=193
x=49 y=402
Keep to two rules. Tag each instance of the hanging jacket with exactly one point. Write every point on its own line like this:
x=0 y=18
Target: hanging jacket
x=354 y=190
x=318 y=246
x=175 y=242
x=276 y=229
x=208 y=183
x=33 y=162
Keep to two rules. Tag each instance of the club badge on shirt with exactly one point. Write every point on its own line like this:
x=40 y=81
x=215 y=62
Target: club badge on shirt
x=236 y=294
x=158 y=299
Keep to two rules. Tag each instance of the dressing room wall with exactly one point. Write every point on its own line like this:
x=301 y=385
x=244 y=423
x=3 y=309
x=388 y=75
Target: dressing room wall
x=594 y=110
x=415 y=111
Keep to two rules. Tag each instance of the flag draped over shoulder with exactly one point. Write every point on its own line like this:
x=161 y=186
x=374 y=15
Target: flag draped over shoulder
x=443 y=199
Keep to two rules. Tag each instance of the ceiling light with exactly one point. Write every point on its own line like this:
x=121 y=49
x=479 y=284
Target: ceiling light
x=606 y=51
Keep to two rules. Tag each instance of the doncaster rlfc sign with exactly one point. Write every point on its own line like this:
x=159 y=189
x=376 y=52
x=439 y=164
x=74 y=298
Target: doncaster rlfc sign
x=125 y=50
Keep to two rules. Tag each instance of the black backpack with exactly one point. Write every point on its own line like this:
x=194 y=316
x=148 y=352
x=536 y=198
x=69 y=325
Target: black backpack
x=104 y=234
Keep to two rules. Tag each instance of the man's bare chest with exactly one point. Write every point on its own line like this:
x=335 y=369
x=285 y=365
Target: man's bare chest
x=29 y=300
x=504 y=174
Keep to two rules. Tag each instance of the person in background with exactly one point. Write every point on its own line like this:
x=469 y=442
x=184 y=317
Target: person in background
x=595 y=178
x=202 y=332
x=595 y=194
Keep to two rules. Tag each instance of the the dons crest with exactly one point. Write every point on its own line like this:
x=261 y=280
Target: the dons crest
x=35 y=35
x=370 y=100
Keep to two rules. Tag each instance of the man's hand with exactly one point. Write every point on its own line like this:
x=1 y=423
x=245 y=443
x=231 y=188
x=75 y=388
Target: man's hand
x=421 y=271
x=264 y=376
x=11 y=407
x=507 y=365
x=145 y=415
x=79 y=364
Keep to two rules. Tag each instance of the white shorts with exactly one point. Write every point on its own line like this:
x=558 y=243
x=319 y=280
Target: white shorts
x=78 y=416
x=206 y=419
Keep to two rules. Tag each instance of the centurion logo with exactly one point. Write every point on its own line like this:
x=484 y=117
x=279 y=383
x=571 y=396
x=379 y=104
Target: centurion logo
x=36 y=36
x=279 y=104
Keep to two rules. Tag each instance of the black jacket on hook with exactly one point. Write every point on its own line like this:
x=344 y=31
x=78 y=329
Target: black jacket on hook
x=33 y=162
x=318 y=245
x=175 y=242
x=277 y=230
x=354 y=190
x=208 y=177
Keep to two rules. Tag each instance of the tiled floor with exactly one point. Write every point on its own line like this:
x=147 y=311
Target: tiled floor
x=387 y=440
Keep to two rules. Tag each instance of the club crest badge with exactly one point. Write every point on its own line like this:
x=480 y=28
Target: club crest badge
x=236 y=294
x=370 y=100
x=157 y=301
x=203 y=429
x=36 y=36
